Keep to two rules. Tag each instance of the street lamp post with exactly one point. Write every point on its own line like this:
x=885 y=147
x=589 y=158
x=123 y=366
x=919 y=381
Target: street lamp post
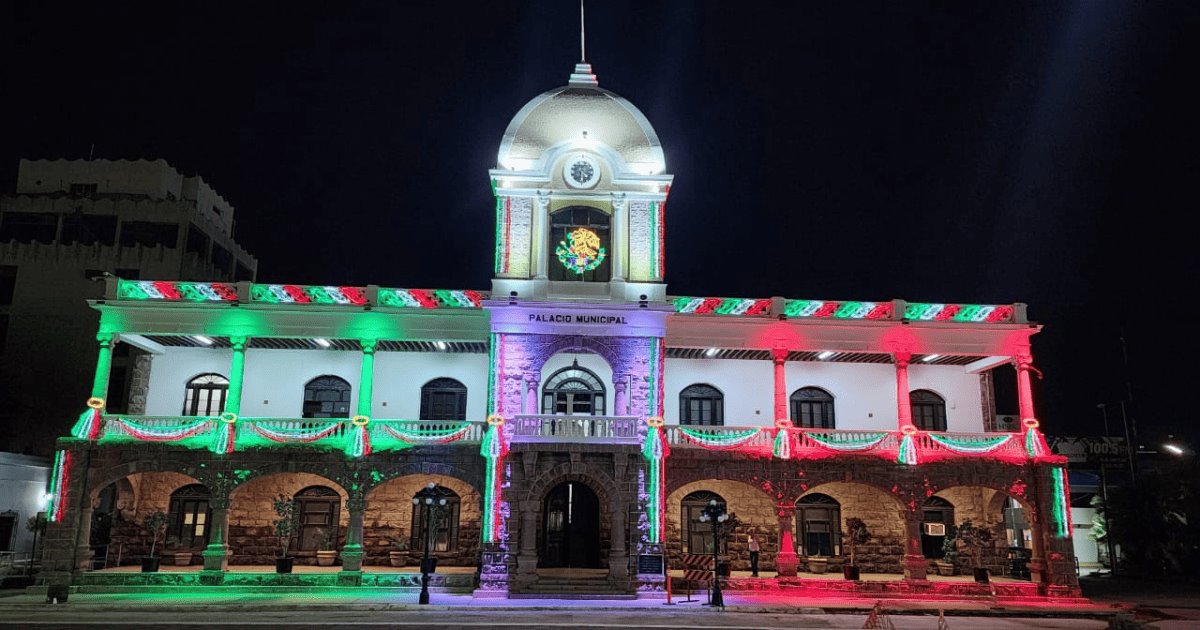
x=714 y=513
x=432 y=499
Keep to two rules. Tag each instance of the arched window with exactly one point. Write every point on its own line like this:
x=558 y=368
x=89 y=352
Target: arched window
x=190 y=515
x=443 y=399
x=819 y=525
x=317 y=508
x=812 y=408
x=702 y=404
x=205 y=395
x=573 y=391
x=327 y=397
x=698 y=536
x=444 y=521
x=566 y=221
x=937 y=517
x=928 y=410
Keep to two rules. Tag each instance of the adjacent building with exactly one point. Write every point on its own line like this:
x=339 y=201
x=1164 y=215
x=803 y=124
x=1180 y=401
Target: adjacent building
x=69 y=224
x=576 y=416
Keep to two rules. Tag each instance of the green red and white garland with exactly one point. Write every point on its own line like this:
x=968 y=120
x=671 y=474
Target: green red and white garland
x=655 y=450
x=428 y=436
x=169 y=433
x=89 y=424
x=971 y=446
x=718 y=441
x=493 y=449
x=293 y=435
x=847 y=443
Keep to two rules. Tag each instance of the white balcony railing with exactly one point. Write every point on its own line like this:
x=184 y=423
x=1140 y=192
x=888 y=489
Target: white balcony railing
x=599 y=429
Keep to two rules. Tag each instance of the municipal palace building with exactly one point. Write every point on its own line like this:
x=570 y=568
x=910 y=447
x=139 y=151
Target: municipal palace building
x=576 y=418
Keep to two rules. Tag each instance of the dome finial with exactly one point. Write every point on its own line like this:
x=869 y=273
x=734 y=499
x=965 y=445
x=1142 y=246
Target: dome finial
x=582 y=76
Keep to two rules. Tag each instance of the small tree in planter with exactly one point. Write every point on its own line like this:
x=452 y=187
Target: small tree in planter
x=977 y=538
x=326 y=553
x=155 y=525
x=945 y=566
x=285 y=527
x=856 y=534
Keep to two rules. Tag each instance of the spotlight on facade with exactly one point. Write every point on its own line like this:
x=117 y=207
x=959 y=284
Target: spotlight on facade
x=202 y=339
x=930 y=357
x=711 y=352
x=323 y=342
x=1173 y=449
x=825 y=355
x=441 y=345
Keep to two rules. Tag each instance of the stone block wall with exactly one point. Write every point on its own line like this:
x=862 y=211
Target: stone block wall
x=389 y=514
x=252 y=516
x=755 y=511
x=882 y=514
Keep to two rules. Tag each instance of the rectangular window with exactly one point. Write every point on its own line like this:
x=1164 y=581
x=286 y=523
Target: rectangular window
x=89 y=229
x=8 y=284
x=28 y=227
x=3 y=331
x=149 y=234
x=83 y=189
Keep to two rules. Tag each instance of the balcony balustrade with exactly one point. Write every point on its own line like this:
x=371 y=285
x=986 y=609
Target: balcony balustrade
x=598 y=429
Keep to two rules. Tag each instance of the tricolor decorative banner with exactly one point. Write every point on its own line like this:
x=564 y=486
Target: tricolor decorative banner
x=427 y=436
x=176 y=291
x=908 y=451
x=226 y=434
x=722 y=306
x=1062 y=506
x=655 y=450
x=58 y=486
x=782 y=447
x=1035 y=443
x=359 y=442
x=88 y=425
x=838 y=310
x=493 y=449
x=300 y=294
x=958 y=312
x=275 y=432
x=430 y=298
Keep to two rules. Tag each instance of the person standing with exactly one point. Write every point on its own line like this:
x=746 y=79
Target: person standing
x=754 y=549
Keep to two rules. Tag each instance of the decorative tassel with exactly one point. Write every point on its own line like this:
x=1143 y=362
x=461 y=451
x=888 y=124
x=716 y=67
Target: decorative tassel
x=58 y=486
x=493 y=449
x=88 y=426
x=782 y=448
x=360 y=437
x=908 y=451
x=655 y=449
x=1035 y=443
x=225 y=434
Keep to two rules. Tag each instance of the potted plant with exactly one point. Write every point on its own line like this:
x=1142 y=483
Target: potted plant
x=856 y=534
x=977 y=539
x=183 y=557
x=817 y=563
x=945 y=565
x=326 y=553
x=399 y=556
x=155 y=525
x=285 y=526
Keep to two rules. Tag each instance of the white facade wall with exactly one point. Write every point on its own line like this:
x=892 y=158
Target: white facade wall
x=274 y=380
x=864 y=394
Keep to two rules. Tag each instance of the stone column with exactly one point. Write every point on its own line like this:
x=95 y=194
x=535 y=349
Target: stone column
x=139 y=384
x=83 y=547
x=620 y=235
x=916 y=567
x=541 y=235
x=531 y=388
x=1037 y=551
x=1023 y=363
x=103 y=365
x=786 y=561
x=527 y=558
x=618 y=559
x=366 y=380
x=779 y=356
x=903 y=403
x=237 y=369
x=352 y=551
x=216 y=554
x=621 y=396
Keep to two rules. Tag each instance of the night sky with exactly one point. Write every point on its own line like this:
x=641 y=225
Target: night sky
x=965 y=152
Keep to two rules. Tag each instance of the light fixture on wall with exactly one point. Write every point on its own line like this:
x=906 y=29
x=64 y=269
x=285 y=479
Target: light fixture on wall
x=202 y=339
x=323 y=342
x=825 y=355
x=711 y=352
x=930 y=357
x=441 y=345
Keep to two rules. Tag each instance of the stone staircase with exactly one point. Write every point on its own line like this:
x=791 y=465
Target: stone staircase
x=573 y=584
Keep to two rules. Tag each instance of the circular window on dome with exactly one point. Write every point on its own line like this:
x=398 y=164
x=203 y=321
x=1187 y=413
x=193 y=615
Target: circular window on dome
x=581 y=171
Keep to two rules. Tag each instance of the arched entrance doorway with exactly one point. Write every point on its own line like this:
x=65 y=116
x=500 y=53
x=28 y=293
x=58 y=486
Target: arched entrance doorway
x=570 y=527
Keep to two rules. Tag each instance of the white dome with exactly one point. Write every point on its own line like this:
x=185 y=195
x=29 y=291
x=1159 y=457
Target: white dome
x=586 y=116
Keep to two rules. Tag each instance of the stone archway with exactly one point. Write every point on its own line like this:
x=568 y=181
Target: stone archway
x=388 y=520
x=570 y=527
x=117 y=535
x=252 y=539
